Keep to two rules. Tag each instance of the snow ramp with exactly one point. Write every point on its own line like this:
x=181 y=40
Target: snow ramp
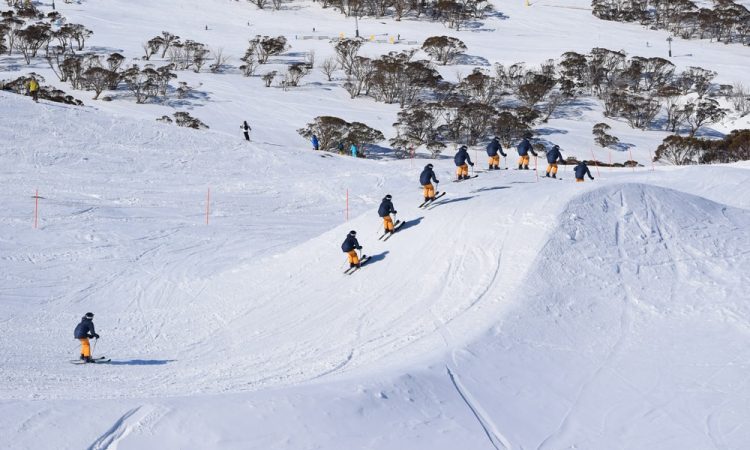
x=632 y=330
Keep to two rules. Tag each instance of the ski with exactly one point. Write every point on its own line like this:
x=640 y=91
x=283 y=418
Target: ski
x=427 y=202
x=362 y=262
x=98 y=359
x=395 y=229
x=464 y=179
x=396 y=226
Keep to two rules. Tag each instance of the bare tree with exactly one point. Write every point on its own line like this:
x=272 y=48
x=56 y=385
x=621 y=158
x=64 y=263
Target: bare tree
x=220 y=59
x=328 y=67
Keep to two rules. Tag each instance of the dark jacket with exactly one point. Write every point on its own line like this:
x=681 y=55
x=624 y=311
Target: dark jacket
x=315 y=143
x=350 y=244
x=427 y=176
x=525 y=147
x=494 y=147
x=582 y=170
x=386 y=208
x=462 y=157
x=85 y=329
x=554 y=155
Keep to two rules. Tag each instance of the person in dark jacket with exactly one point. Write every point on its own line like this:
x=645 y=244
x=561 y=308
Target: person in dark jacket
x=493 y=148
x=524 y=148
x=463 y=161
x=385 y=211
x=83 y=332
x=425 y=179
x=553 y=156
x=350 y=247
x=581 y=171
x=315 y=143
x=246 y=130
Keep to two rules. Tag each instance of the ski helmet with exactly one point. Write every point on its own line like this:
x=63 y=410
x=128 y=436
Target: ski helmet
x=556 y=147
x=428 y=166
x=388 y=196
x=89 y=315
x=352 y=233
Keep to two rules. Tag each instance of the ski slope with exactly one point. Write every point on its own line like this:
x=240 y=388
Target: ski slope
x=516 y=313
x=526 y=313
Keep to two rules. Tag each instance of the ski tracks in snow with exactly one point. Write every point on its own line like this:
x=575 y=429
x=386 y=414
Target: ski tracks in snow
x=137 y=419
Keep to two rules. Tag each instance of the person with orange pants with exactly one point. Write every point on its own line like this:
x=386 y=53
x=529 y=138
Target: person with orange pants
x=494 y=150
x=553 y=156
x=425 y=179
x=350 y=247
x=581 y=170
x=462 y=161
x=523 y=154
x=385 y=210
x=83 y=332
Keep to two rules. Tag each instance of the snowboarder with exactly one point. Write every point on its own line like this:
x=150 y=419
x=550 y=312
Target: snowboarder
x=315 y=143
x=425 y=179
x=33 y=87
x=582 y=170
x=385 y=211
x=246 y=130
x=523 y=154
x=350 y=247
x=493 y=148
x=83 y=332
x=461 y=159
x=553 y=156
x=353 y=149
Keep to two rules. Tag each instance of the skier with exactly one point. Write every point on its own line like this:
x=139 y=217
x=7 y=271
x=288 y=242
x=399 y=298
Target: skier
x=340 y=148
x=33 y=87
x=246 y=130
x=315 y=143
x=493 y=148
x=553 y=156
x=523 y=154
x=582 y=170
x=425 y=179
x=353 y=149
x=461 y=159
x=350 y=247
x=385 y=211
x=83 y=332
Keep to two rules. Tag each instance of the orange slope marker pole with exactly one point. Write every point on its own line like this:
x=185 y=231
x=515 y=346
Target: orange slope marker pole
x=596 y=163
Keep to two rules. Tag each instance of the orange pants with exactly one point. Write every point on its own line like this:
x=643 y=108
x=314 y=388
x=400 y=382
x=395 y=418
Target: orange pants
x=579 y=180
x=462 y=170
x=388 y=223
x=85 y=347
x=552 y=168
x=495 y=160
x=353 y=258
x=429 y=190
x=523 y=160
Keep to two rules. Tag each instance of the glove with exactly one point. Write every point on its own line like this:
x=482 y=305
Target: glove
x=395 y=212
x=592 y=178
x=504 y=155
x=95 y=336
x=437 y=181
x=359 y=247
x=471 y=164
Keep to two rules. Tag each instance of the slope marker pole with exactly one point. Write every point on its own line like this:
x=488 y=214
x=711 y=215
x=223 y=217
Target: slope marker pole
x=596 y=163
x=208 y=203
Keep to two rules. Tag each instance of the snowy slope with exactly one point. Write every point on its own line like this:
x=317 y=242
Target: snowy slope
x=512 y=311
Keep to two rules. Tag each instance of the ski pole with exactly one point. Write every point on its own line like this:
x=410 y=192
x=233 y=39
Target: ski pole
x=94 y=349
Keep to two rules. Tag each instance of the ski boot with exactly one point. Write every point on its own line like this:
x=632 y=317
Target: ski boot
x=546 y=174
x=87 y=359
x=497 y=167
x=554 y=175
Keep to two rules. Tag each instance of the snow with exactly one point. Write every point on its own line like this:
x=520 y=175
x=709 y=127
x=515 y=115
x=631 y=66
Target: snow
x=516 y=313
